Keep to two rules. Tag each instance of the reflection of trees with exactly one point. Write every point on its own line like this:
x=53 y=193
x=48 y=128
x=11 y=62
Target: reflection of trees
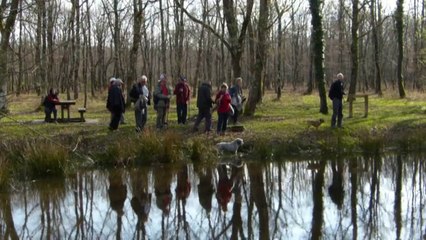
x=318 y=209
x=141 y=200
x=374 y=194
x=117 y=193
x=6 y=214
x=397 y=206
x=237 y=222
x=51 y=193
x=258 y=196
x=353 y=168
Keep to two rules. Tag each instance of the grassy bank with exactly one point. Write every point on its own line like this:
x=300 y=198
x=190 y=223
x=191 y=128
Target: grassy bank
x=278 y=129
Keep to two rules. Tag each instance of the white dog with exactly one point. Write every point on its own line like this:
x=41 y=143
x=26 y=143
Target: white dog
x=230 y=146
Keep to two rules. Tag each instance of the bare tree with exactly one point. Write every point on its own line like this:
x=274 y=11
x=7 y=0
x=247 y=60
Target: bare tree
x=255 y=92
x=354 y=48
x=375 y=32
x=399 y=22
x=318 y=48
x=8 y=13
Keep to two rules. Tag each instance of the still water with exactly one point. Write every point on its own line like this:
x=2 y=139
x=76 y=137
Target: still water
x=379 y=197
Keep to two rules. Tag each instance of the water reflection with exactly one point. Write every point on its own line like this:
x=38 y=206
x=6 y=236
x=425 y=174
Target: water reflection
x=370 y=197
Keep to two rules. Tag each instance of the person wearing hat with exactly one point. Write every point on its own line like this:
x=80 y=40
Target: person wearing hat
x=139 y=95
x=162 y=95
x=115 y=104
x=182 y=93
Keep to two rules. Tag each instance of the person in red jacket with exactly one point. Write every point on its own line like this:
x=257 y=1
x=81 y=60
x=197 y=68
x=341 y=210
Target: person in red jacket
x=49 y=105
x=182 y=93
x=223 y=101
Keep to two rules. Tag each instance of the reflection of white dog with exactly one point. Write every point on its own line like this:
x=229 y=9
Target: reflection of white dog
x=230 y=146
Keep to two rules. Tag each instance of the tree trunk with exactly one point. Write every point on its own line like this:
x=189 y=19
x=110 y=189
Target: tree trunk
x=255 y=92
x=163 y=40
x=399 y=15
x=318 y=48
x=6 y=29
x=236 y=40
x=354 y=47
x=76 y=52
x=279 y=57
x=137 y=37
x=375 y=31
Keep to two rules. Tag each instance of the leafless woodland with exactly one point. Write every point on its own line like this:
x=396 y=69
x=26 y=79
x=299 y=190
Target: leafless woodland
x=77 y=45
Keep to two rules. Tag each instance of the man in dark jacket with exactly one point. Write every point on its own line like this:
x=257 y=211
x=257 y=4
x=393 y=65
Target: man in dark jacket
x=336 y=95
x=204 y=104
x=115 y=104
x=182 y=93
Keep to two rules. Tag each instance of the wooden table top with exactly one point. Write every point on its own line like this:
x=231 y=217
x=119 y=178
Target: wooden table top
x=65 y=102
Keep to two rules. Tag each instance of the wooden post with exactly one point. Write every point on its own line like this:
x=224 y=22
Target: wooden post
x=351 y=101
x=365 y=105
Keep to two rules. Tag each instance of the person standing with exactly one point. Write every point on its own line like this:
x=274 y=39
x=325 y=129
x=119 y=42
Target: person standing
x=182 y=93
x=115 y=104
x=162 y=95
x=204 y=105
x=49 y=106
x=336 y=95
x=139 y=95
x=223 y=101
x=237 y=99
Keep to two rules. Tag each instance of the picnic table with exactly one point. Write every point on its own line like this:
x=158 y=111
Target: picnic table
x=65 y=105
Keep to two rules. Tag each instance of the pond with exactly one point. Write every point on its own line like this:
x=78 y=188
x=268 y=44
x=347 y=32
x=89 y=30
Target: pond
x=374 y=197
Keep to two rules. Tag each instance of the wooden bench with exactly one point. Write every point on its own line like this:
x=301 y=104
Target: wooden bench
x=82 y=111
x=352 y=98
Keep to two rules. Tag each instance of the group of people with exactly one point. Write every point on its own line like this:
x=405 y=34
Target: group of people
x=226 y=102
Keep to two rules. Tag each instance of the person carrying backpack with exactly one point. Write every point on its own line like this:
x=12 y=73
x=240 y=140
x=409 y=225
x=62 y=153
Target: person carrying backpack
x=139 y=95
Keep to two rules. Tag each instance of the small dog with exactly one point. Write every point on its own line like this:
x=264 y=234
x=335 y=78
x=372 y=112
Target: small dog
x=230 y=146
x=315 y=123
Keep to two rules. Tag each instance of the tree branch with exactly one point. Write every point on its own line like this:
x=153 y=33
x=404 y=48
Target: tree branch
x=208 y=27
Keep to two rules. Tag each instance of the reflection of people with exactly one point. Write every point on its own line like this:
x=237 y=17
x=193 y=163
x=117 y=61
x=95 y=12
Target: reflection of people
x=117 y=192
x=115 y=104
x=224 y=187
x=182 y=93
x=49 y=105
x=237 y=98
x=335 y=190
x=162 y=95
x=140 y=97
x=206 y=190
x=204 y=104
x=141 y=205
x=162 y=184
x=336 y=95
x=223 y=101
x=183 y=186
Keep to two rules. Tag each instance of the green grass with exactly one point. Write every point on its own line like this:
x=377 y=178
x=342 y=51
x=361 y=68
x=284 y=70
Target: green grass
x=277 y=129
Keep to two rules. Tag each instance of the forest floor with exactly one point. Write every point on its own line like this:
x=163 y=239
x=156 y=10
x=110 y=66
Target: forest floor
x=279 y=126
